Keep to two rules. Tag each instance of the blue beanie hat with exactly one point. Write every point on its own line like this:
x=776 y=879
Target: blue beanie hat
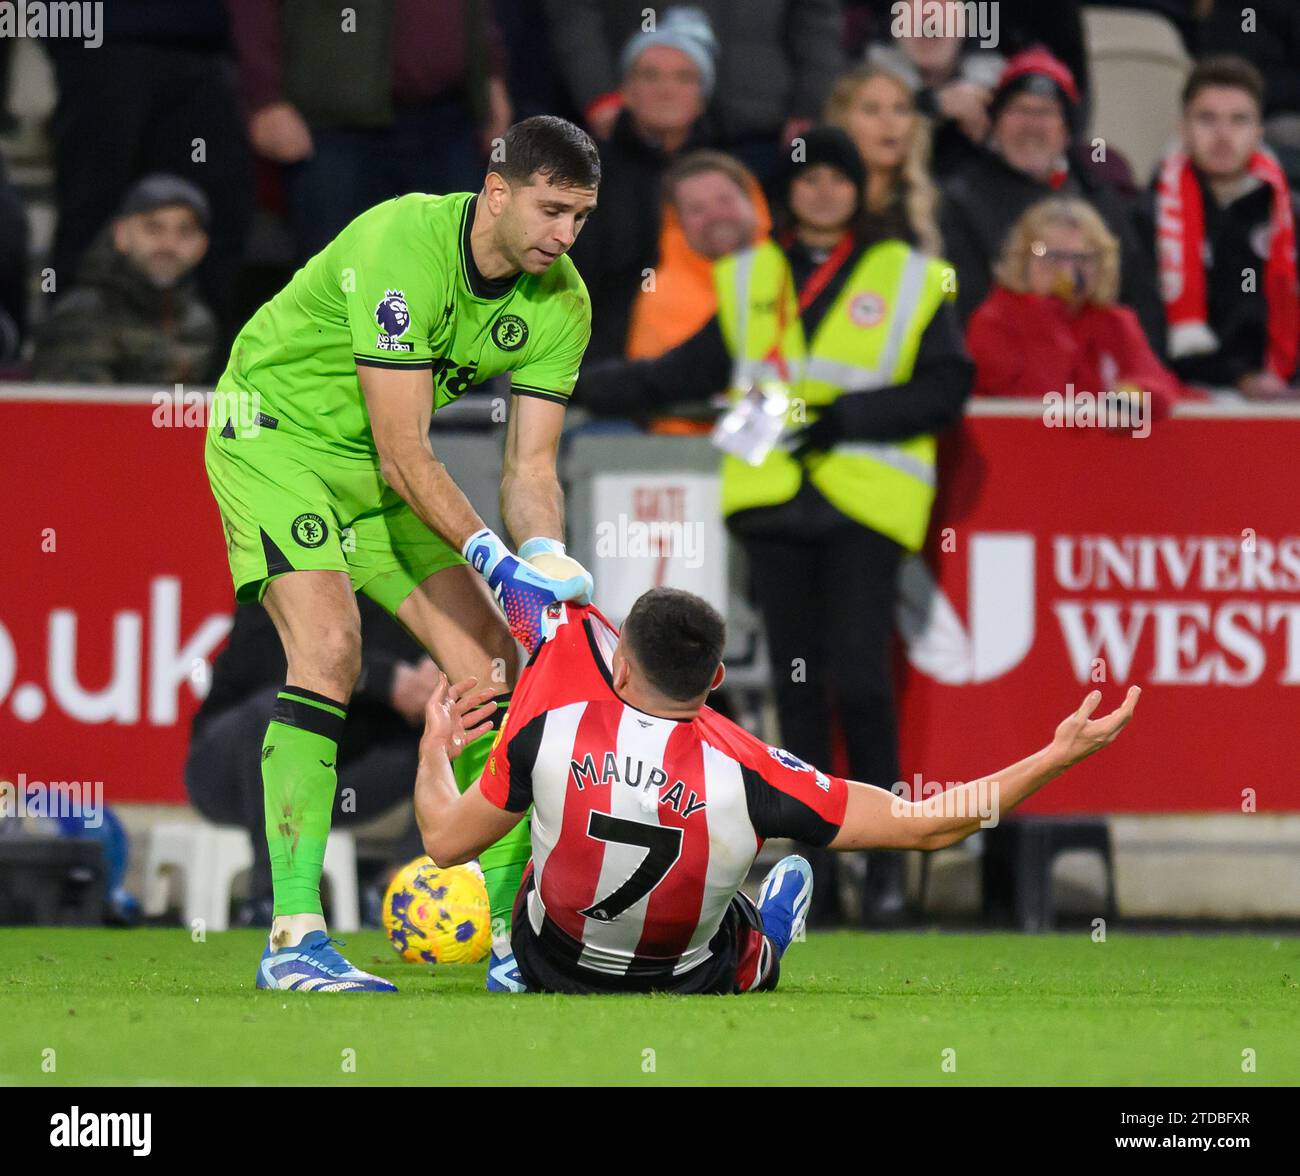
x=687 y=29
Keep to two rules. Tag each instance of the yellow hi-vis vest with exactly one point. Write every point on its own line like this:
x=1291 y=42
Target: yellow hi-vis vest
x=868 y=339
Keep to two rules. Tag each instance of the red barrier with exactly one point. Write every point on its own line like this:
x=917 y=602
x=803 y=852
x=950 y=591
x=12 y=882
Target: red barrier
x=1174 y=558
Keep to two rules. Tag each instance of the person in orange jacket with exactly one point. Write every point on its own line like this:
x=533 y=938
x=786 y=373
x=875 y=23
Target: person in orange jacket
x=712 y=205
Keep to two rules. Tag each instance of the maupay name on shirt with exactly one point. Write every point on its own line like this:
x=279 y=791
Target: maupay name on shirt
x=631 y=772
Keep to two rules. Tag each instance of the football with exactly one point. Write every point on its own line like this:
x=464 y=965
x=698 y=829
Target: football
x=438 y=916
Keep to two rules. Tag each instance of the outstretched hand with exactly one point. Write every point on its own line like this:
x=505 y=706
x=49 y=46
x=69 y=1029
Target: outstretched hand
x=458 y=714
x=1079 y=735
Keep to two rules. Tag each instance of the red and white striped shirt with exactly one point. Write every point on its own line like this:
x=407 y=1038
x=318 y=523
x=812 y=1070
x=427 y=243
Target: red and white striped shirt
x=643 y=827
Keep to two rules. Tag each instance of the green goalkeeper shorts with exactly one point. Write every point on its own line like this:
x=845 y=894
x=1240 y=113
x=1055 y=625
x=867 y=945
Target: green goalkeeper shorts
x=289 y=507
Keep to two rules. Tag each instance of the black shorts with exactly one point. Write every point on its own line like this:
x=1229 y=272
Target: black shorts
x=741 y=958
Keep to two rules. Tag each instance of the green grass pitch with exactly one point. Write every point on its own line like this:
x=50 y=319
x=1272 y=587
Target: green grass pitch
x=151 y=1006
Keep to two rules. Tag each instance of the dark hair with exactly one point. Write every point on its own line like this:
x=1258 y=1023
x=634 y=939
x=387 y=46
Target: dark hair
x=823 y=145
x=698 y=163
x=1225 y=70
x=677 y=640
x=863 y=224
x=550 y=147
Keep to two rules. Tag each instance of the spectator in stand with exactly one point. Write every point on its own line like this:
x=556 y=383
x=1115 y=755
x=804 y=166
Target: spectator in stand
x=712 y=206
x=1013 y=24
x=1223 y=229
x=952 y=79
x=776 y=60
x=875 y=106
x=1270 y=42
x=13 y=269
x=531 y=80
x=1052 y=319
x=135 y=315
x=667 y=79
x=862 y=332
x=1023 y=24
x=378 y=754
x=156 y=96
x=1029 y=159
x=406 y=99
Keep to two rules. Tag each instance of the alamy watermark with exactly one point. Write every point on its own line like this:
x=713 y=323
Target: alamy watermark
x=946 y=18
x=934 y=798
x=1073 y=409
x=64 y=19
x=82 y=799
x=651 y=539
x=131 y=1130
x=183 y=408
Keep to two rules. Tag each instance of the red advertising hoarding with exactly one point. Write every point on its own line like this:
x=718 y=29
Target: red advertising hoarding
x=113 y=594
x=1059 y=559
x=1067 y=559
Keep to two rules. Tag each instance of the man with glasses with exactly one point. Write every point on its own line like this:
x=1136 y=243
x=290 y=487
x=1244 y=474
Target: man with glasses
x=1052 y=324
x=1029 y=157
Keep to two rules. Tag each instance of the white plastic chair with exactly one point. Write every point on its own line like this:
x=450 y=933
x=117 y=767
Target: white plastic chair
x=1138 y=64
x=210 y=857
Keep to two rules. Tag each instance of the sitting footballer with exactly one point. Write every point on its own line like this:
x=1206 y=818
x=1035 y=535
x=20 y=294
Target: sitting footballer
x=648 y=807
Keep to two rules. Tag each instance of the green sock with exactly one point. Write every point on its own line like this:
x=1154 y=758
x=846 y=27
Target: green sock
x=503 y=863
x=503 y=869
x=298 y=781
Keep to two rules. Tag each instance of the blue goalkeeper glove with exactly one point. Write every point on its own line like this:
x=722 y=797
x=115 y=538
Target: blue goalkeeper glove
x=520 y=589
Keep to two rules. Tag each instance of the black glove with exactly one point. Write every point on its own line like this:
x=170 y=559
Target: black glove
x=819 y=436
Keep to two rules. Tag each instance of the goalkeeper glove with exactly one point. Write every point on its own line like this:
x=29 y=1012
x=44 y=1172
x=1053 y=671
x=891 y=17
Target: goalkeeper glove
x=521 y=590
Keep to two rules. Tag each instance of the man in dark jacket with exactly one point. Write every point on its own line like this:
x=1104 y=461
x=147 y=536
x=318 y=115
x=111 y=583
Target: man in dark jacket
x=400 y=96
x=776 y=62
x=14 y=235
x=1029 y=159
x=1270 y=42
x=135 y=315
x=377 y=757
x=667 y=80
x=1221 y=224
x=156 y=96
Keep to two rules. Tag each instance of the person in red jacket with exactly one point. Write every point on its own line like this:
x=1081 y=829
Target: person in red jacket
x=1052 y=320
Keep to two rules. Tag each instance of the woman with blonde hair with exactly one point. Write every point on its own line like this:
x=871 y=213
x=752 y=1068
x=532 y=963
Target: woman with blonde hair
x=1052 y=317
x=874 y=105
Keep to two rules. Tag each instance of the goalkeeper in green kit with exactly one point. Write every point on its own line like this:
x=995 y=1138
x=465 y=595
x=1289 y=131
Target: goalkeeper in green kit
x=319 y=458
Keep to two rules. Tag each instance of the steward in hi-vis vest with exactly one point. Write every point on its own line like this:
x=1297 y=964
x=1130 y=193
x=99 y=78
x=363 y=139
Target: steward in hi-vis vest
x=862 y=335
x=866 y=341
x=851 y=342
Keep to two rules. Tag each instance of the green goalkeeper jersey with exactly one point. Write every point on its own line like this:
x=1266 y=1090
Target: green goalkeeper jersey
x=398 y=288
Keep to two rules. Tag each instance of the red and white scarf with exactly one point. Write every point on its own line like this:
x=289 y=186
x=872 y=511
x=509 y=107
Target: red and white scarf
x=1180 y=236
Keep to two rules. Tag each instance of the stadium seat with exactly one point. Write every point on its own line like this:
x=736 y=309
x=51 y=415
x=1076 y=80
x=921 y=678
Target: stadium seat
x=211 y=856
x=1018 y=859
x=1138 y=66
x=51 y=881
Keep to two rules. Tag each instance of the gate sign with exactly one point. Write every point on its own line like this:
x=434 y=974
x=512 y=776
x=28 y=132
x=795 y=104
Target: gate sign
x=657 y=530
